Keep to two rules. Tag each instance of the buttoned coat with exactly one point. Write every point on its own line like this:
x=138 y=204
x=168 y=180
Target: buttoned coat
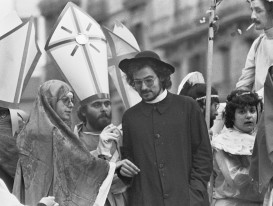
x=169 y=142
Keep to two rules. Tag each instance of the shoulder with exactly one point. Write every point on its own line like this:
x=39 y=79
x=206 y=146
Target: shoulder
x=184 y=101
x=257 y=42
x=133 y=109
x=182 y=98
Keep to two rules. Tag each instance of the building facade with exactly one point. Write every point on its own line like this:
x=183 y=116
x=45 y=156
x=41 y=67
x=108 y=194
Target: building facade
x=178 y=31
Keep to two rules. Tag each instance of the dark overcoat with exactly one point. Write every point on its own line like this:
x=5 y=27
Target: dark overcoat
x=169 y=142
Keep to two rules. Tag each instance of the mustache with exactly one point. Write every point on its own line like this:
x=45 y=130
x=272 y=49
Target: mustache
x=104 y=115
x=144 y=91
x=255 y=21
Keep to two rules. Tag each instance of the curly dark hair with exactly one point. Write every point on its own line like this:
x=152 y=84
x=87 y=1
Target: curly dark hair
x=239 y=99
x=163 y=73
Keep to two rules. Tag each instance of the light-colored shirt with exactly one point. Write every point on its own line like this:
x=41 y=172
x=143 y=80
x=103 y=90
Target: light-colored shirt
x=258 y=61
x=159 y=98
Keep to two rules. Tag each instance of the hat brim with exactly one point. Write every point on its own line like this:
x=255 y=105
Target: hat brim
x=125 y=64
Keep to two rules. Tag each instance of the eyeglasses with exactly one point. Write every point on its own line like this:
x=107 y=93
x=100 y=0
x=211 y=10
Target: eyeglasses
x=149 y=82
x=66 y=101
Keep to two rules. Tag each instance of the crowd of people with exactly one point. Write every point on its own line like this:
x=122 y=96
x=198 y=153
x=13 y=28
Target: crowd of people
x=162 y=154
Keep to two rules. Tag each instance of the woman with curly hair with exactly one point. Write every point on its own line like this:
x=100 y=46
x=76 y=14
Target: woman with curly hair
x=233 y=149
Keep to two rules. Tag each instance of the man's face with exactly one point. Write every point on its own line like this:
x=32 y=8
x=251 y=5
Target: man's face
x=98 y=114
x=147 y=84
x=260 y=16
x=213 y=112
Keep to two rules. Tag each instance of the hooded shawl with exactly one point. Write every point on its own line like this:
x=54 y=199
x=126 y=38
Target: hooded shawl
x=262 y=160
x=52 y=160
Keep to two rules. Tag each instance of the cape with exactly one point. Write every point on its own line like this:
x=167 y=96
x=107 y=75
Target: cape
x=54 y=162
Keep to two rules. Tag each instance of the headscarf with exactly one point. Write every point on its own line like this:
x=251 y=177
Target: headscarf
x=261 y=168
x=52 y=159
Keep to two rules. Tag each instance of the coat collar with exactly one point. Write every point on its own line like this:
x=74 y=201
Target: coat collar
x=161 y=106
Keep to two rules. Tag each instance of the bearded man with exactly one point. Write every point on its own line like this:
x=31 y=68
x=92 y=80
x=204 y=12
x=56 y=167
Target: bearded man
x=102 y=139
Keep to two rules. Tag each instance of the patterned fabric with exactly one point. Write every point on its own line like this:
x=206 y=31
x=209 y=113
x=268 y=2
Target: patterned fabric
x=5 y=123
x=234 y=142
x=117 y=195
x=52 y=159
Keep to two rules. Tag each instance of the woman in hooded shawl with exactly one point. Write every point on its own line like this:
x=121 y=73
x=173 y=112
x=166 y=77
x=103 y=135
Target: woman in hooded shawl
x=52 y=159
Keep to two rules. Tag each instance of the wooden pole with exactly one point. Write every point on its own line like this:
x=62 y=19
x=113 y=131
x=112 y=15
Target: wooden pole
x=209 y=79
x=210 y=60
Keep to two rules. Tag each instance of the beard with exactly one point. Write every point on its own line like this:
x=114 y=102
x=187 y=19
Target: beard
x=99 y=122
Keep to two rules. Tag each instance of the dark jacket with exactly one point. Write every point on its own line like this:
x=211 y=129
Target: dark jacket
x=169 y=142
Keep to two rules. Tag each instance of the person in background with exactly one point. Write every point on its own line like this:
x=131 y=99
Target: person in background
x=233 y=148
x=260 y=55
x=193 y=85
x=166 y=137
x=52 y=160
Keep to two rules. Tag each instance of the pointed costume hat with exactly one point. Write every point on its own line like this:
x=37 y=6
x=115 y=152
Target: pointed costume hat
x=121 y=45
x=78 y=46
x=192 y=79
x=19 y=54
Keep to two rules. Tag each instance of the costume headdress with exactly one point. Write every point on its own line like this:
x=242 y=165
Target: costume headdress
x=78 y=45
x=19 y=54
x=191 y=79
x=193 y=85
x=121 y=45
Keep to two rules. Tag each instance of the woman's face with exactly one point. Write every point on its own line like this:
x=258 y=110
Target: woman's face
x=64 y=106
x=245 y=118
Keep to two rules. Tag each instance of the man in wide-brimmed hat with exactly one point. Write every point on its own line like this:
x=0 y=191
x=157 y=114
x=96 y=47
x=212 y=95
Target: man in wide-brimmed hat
x=165 y=135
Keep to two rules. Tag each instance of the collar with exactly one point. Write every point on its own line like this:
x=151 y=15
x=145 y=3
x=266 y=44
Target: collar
x=269 y=33
x=82 y=128
x=160 y=106
x=234 y=142
x=159 y=97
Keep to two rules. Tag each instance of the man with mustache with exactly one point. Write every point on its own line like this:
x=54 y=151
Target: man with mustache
x=102 y=139
x=260 y=56
x=166 y=136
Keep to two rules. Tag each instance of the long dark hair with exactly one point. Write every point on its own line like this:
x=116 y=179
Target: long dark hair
x=163 y=73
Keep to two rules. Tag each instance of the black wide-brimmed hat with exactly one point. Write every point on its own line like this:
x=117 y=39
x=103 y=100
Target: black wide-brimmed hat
x=125 y=64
